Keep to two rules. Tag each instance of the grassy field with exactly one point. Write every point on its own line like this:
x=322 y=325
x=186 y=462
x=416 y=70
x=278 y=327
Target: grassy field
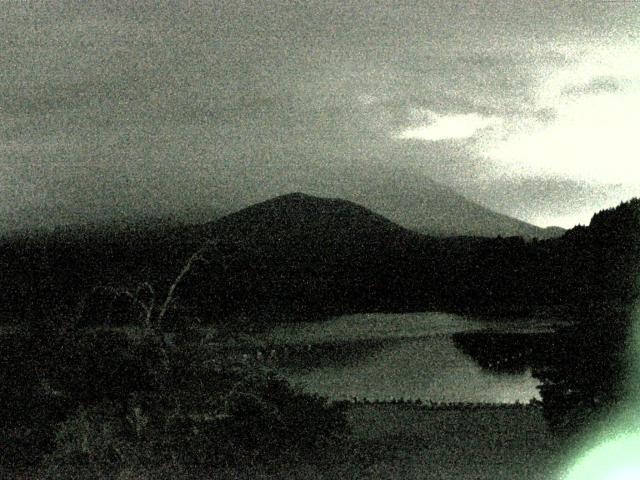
x=404 y=442
x=407 y=442
x=487 y=443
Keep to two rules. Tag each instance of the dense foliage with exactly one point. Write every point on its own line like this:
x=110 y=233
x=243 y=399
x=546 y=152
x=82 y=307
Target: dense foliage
x=586 y=373
x=102 y=400
x=584 y=368
x=585 y=376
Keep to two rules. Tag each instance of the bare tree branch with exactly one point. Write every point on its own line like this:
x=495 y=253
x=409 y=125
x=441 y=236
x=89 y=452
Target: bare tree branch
x=153 y=317
x=196 y=257
x=148 y=308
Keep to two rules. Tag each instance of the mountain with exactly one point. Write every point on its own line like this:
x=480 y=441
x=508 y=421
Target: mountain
x=425 y=206
x=300 y=217
x=417 y=204
x=296 y=251
x=309 y=254
x=299 y=256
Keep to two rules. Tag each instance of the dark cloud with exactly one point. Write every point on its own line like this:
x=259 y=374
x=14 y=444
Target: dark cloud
x=113 y=108
x=594 y=86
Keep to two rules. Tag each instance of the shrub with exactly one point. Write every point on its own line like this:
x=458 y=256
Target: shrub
x=143 y=399
x=30 y=408
x=585 y=374
x=145 y=395
x=94 y=437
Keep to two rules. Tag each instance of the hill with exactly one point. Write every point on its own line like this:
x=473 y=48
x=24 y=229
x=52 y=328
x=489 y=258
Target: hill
x=430 y=208
x=299 y=217
x=307 y=254
x=299 y=256
x=315 y=256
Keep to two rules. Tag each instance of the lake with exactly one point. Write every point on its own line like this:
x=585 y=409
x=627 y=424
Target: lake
x=410 y=356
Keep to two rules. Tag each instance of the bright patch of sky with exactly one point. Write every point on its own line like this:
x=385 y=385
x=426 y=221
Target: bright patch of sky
x=581 y=124
x=592 y=134
x=448 y=127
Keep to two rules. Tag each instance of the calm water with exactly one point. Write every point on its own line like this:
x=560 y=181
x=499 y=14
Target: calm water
x=415 y=359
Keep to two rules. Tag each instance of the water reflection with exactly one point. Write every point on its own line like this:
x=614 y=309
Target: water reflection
x=428 y=368
x=414 y=358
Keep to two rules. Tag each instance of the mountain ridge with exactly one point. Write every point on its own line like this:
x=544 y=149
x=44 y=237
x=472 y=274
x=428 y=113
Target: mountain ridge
x=463 y=218
x=298 y=213
x=300 y=256
x=426 y=206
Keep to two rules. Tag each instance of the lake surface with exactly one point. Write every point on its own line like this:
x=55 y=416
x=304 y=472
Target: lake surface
x=411 y=356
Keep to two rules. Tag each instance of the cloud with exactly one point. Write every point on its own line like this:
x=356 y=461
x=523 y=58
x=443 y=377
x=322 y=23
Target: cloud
x=593 y=134
x=592 y=139
x=448 y=127
x=136 y=107
x=605 y=84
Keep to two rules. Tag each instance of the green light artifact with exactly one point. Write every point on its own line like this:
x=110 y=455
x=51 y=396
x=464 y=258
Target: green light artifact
x=613 y=453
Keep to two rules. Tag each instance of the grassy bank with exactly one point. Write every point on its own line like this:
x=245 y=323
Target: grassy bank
x=410 y=442
x=406 y=442
x=482 y=443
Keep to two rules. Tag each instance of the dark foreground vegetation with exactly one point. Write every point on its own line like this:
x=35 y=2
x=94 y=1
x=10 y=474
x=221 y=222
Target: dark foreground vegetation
x=586 y=375
x=164 y=394
x=389 y=442
x=98 y=402
x=584 y=369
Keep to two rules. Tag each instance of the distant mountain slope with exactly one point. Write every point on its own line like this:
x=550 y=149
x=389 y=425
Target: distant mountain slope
x=428 y=207
x=309 y=254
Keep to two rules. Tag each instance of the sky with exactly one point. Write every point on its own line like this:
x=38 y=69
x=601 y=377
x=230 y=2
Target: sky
x=189 y=108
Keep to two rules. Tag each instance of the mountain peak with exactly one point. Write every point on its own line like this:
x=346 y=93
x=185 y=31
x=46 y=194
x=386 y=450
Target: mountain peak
x=292 y=198
x=295 y=196
x=434 y=210
x=300 y=215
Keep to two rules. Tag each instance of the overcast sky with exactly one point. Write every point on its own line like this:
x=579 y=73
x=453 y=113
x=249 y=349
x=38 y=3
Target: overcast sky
x=531 y=108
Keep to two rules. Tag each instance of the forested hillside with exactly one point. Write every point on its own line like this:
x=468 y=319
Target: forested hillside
x=298 y=256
